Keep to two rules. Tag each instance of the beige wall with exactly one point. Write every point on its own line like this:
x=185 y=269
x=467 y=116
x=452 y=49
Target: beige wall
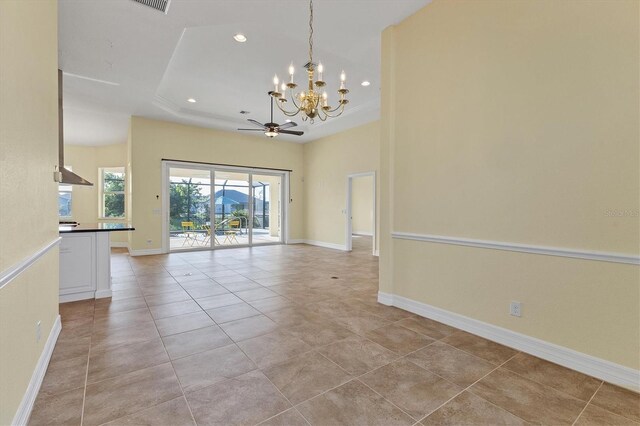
x=28 y=211
x=327 y=162
x=151 y=140
x=517 y=122
x=362 y=205
x=85 y=161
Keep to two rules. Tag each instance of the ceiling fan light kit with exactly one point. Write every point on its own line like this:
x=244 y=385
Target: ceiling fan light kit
x=310 y=102
x=272 y=129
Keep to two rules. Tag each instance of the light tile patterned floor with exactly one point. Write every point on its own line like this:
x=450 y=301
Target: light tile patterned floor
x=292 y=335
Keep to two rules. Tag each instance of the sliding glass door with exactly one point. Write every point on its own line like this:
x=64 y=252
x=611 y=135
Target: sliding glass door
x=212 y=207
x=267 y=208
x=189 y=208
x=233 y=208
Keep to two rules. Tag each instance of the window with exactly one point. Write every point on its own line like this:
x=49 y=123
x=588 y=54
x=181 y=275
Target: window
x=64 y=198
x=112 y=188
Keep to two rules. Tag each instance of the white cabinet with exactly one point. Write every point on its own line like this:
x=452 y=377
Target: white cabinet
x=77 y=264
x=85 y=271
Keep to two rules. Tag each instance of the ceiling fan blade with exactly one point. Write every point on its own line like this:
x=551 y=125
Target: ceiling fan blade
x=257 y=123
x=287 y=125
x=253 y=130
x=291 y=132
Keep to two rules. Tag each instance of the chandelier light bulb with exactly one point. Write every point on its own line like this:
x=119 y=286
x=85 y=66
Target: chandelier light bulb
x=291 y=71
x=283 y=87
x=343 y=76
x=275 y=82
x=320 y=70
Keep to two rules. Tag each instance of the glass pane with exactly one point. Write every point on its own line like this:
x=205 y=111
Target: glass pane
x=232 y=204
x=189 y=208
x=64 y=203
x=113 y=205
x=113 y=182
x=267 y=208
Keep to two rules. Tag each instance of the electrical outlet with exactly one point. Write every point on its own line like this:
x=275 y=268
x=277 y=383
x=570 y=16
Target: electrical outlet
x=515 y=309
x=38 y=331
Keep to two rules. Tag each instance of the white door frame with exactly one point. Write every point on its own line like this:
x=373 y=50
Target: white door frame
x=349 y=210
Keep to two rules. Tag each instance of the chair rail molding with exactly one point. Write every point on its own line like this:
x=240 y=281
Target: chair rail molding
x=601 y=256
x=9 y=274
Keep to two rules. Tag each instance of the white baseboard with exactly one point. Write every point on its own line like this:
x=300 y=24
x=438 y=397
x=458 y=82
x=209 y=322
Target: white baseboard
x=319 y=244
x=363 y=234
x=119 y=244
x=29 y=398
x=145 y=252
x=72 y=297
x=587 y=364
x=387 y=299
x=376 y=253
x=101 y=294
x=333 y=246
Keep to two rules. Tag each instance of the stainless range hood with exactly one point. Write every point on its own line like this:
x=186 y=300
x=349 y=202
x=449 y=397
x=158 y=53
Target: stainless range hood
x=63 y=175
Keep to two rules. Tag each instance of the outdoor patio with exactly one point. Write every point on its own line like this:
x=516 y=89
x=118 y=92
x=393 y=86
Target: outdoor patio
x=200 y=239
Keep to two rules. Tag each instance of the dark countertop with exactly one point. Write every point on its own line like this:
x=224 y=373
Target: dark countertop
x=96 y=227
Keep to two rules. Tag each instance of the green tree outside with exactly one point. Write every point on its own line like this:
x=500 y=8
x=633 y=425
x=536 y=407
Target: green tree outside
x=187 y=204
x=113 y=194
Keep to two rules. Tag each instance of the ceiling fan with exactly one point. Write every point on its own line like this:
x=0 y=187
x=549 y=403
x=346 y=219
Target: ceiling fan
x=272 y=129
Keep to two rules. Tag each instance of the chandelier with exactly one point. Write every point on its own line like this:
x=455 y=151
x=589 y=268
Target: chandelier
x=310 y=102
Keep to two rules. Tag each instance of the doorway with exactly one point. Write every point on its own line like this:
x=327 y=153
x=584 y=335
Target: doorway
x=207 y=207
x=361 y=210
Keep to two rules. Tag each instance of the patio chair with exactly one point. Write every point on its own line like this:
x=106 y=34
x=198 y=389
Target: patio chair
x=207 y=238
x=189 y=233
x=230 y=234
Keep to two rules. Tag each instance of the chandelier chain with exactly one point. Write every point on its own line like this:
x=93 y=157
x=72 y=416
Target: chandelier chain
x=311 y=32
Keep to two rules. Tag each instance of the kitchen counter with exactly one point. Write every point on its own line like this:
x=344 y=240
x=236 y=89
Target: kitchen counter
x=85 y=259
x=96 y=227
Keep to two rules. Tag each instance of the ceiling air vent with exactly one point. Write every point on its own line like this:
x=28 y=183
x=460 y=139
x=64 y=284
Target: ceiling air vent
x=161 y=5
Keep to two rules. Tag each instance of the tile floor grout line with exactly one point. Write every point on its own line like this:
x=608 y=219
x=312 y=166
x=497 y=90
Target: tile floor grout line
x=467 y=389
x=175 y=373
x=170 y=362
x=587 y=404
x=284 y=396
x=86 y=376
x=353 y=377
x=554 y=388
x=386 y=399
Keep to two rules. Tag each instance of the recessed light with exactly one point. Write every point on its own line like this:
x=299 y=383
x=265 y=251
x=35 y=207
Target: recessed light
x=240 y=38
x=365 y=83
x=288 y=121
x=191 y=100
